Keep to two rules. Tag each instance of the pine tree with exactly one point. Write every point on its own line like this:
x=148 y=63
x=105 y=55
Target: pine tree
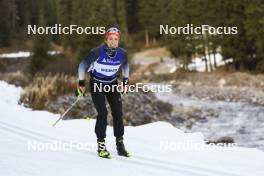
x=41 y=44
x=7 y=21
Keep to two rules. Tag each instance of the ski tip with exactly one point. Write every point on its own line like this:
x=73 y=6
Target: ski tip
x=52 y=125
x=126 y=156
x=108 y=157
x=105 y=157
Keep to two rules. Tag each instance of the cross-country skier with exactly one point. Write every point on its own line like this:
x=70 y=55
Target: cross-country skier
x=103 y=64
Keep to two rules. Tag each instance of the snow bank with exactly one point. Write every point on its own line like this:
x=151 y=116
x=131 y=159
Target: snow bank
x=152 y=147
x=24 y=54
x=198 y=63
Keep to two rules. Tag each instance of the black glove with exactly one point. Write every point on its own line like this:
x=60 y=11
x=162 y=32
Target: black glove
x=80 y=90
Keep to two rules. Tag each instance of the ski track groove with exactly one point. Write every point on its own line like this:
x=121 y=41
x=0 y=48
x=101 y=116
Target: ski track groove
x=179 y=168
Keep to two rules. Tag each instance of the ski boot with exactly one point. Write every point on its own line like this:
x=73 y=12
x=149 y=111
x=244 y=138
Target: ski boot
x=102 y=151
x=120 y=147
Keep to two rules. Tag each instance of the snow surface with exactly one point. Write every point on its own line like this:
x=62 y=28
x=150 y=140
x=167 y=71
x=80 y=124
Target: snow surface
x=20 y=127
x=24 y=54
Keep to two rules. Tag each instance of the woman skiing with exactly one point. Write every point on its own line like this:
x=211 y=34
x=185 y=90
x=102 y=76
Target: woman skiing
x=103 y=64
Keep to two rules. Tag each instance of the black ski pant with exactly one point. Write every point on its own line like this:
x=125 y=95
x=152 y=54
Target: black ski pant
x=114 y=99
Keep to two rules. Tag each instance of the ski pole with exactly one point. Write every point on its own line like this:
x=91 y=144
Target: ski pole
x=66 y=112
